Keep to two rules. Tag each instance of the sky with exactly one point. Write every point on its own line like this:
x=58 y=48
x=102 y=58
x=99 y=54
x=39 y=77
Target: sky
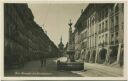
x=54 y=18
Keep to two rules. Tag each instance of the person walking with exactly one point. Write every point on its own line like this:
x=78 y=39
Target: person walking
x=43 y=61
x=44 y=64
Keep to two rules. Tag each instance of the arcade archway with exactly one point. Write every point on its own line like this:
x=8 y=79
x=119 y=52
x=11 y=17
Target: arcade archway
x=87 y=56
x=122 y=57
x=102 y=55
x=113 y=54
x=93 y=56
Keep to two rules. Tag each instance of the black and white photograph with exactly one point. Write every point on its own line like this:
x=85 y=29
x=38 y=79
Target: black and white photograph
x=64 y=39
x=64 y=80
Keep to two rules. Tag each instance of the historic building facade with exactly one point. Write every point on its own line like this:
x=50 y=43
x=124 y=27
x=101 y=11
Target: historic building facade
x=24 y=40
x=99 y=33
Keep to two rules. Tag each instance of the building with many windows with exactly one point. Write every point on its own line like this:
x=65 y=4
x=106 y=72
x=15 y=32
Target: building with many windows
x=24 y=39
x=99 y=33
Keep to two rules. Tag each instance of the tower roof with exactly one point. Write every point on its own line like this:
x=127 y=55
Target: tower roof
x=61 y=43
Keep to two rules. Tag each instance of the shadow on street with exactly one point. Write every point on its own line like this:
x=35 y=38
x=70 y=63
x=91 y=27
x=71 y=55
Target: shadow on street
x=33 y=68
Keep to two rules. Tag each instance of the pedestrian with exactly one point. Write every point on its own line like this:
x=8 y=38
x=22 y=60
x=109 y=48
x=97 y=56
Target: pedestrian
x=43 y=61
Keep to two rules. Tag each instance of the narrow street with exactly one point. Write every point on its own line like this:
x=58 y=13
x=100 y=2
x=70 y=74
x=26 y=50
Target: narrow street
x=73 y=32
x=92 y=70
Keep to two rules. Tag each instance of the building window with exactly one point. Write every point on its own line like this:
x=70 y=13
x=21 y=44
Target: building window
x=106 y=25
x=112 y=37
x=112 y=22
x=102 y=15
x=116 y=20
x=116 y=28
x=116 y=34
x=112 y=25
x=99 y=28
x=106 y=12
x=112 y=42
x=99 y=39
x=102 y=27
x=122 y=7
x=99 y=16
x=117 y=42
x=102 y=36
x=106 y=39
x=92 y=20
x=95 y=41
x=116 y=8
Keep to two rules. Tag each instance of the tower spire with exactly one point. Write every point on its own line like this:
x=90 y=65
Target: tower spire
x=70 y=23
x=61 y=39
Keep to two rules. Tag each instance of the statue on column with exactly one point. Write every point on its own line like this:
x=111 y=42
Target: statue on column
x=70 y=64
x=70 y=50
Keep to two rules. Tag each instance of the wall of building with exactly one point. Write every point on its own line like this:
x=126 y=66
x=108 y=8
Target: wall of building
x=24 y=40
x=100 y=27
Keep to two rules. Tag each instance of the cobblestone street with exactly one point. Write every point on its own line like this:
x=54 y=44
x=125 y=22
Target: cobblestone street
x=33 y=68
